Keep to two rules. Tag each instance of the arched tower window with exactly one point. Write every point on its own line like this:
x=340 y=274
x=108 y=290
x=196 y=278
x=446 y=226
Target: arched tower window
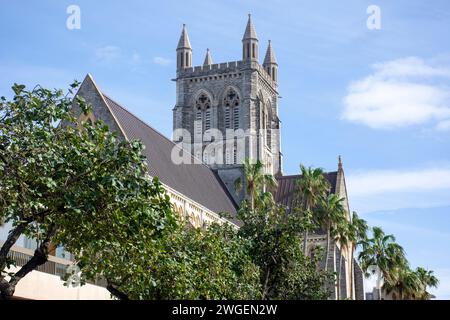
x=268 y=125
x=231 y=101
x=202 y=113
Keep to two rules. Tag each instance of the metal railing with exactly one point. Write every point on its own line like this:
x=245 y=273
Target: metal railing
x=54 y=265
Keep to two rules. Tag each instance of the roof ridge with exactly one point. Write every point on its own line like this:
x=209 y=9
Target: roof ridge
x=299 y=175
x=156 y=131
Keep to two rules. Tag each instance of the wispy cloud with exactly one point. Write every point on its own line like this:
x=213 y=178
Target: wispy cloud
x=394 y=189
x=136 y=58
x=108 y=54
x=162 y=61
x=383 y=181
x=399 y=93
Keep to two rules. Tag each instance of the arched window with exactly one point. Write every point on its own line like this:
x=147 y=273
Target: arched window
x=202 y=113
x=236 y=118
x=207 y=119
x=227 y=118
x=231 y=100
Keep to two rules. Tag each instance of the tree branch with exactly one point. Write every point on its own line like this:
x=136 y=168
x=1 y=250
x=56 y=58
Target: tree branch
x=11 y=240
x=116 y=292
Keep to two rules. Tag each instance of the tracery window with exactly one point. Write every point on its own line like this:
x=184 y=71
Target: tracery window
x=231 y=100
x=202 y=113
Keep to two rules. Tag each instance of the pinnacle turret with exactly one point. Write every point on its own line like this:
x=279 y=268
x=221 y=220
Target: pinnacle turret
x=208 y=59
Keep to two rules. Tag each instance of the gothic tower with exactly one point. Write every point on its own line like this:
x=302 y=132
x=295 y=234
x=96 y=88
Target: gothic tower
x=229 y=110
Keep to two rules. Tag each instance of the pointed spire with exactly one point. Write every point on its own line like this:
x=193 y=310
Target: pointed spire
x=250 y=32
x=339 y=163
x=270 y=55
x=208 y=59
x=184 y=43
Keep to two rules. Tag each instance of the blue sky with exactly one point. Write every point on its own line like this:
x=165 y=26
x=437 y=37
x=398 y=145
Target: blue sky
x=380 y=98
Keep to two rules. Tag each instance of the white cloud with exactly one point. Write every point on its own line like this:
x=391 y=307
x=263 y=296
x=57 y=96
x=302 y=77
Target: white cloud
x=443 y=125
x=383 y=181
x=107 y=54
x=161 y=61
x=399 y=93
x=135 y=58
x=394 y=189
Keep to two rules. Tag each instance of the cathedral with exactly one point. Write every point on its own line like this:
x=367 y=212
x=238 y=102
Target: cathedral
x=224 y=113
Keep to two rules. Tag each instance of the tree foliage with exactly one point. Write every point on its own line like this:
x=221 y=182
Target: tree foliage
x=64 y=186
x=88 y=190
x=276 y=247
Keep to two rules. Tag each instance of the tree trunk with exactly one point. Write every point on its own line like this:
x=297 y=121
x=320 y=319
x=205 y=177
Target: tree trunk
x=305 y=243
x=327 y=252
x=305 y=234
x=13 y=236
x=352 y=272
x=339 y=275
x=266 y=282
x=116 y=292
x=40 y=256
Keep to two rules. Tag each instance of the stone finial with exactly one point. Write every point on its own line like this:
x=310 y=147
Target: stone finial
x=208 y=59
x=339 y=162
x=250 y=32
x=270 y=55
x=184 y=42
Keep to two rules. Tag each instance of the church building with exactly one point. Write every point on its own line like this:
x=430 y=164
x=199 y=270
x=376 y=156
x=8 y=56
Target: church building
x=224 y=113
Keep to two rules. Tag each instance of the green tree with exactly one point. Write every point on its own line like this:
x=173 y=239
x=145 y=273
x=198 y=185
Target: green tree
x=342 y=237
x=426 y=279
x=276 y=238
x=403 y=282
x=382 y=252
x=64 y=186
x=255 y=181
x=312 y=188
x=275 y=245
x=357 y=233
x=188 y=263
x=331 y=213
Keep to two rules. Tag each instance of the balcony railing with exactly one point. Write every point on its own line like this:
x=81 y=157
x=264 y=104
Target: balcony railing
x=54 y=265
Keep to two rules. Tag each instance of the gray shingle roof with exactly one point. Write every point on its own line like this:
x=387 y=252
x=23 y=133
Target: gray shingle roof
x=286 y=187
x=195 y=181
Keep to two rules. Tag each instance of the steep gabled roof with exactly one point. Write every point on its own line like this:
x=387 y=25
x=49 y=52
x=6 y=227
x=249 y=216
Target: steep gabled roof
x=195 y=181
x=286 y=187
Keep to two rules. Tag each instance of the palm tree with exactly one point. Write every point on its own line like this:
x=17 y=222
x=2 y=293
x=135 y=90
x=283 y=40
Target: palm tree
x=312 y=187
x=357 y=233
x=403 y=282
x=341 y=235
x=256 y=180
x=383 y=252
x=426 y=279
x=331 y=213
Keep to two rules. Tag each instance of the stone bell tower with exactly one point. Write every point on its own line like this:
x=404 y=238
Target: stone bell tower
x=238 y=97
